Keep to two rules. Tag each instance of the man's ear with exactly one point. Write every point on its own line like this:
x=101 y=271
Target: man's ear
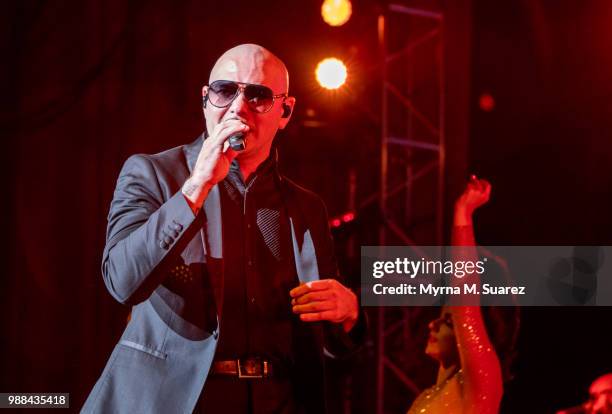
x=204 y=95
x=288 y=106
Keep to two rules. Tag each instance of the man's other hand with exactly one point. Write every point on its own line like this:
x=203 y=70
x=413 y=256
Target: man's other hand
x=325 y=300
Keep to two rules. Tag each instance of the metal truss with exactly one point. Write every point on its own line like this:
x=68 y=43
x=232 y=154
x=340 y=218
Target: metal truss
x=412 y=161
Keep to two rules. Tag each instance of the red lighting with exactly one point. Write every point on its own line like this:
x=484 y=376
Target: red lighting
x=348 y=217
x=486 y=102
x=342 y=219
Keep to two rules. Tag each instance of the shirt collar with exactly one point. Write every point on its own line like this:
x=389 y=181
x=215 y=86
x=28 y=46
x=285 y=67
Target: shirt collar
x=269 y=167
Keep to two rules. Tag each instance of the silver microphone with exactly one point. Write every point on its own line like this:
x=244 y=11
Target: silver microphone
x=236 y=141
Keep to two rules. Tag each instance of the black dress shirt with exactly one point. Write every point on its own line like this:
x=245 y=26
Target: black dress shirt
x=256 y=320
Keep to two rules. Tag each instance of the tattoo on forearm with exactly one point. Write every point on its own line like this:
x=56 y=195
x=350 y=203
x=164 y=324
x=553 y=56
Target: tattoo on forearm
x=189 y=189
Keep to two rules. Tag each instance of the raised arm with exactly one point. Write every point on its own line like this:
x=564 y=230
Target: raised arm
x=143 y=232
x=482 y=387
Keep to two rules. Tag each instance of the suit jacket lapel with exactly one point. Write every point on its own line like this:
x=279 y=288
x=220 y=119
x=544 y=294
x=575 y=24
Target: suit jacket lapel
x=212 y=233
x=304 y=254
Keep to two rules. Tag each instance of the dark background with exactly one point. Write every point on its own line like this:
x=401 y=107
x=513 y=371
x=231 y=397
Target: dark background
x=86 y=84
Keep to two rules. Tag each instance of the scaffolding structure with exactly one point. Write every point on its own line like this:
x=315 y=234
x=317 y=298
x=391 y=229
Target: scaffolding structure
x=412 y=153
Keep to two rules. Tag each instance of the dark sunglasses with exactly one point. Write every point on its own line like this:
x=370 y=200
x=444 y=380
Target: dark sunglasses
x=221 y=93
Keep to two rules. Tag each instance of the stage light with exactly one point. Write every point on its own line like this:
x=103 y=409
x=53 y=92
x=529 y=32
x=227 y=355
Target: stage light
x=345 y=218
x=336 y=12
x=348 y=217
x=331 y=73
x=486 y=102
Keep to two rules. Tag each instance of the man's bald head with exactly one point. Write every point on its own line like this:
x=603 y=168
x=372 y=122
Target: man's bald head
x=252 y=63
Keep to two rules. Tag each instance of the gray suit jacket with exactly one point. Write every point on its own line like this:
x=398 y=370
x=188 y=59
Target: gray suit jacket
x=154 y=260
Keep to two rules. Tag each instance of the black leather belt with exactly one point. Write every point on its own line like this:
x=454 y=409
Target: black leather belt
x=243 y=368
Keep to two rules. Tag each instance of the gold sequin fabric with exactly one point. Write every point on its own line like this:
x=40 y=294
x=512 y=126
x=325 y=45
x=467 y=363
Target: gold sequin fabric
x=444 y=398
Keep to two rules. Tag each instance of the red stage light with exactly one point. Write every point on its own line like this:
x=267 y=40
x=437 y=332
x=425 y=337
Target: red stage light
x=343 y=219
x=486 y=102
x=348 y=217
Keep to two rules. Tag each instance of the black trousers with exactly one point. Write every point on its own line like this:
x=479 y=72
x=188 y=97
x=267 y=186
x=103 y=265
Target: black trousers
x=228 y=395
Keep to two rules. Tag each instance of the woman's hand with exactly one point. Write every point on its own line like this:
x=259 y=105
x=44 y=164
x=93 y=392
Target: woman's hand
x=476 y=193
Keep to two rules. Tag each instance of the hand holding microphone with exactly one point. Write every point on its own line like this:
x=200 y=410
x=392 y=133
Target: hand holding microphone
x=236 y=141
x=214 y=160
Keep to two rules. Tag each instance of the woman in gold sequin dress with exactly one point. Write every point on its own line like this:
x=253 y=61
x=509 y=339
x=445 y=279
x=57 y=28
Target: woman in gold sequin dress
x=470 y=376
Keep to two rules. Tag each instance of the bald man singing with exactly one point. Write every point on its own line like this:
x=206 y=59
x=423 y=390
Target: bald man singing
x=228 y=265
